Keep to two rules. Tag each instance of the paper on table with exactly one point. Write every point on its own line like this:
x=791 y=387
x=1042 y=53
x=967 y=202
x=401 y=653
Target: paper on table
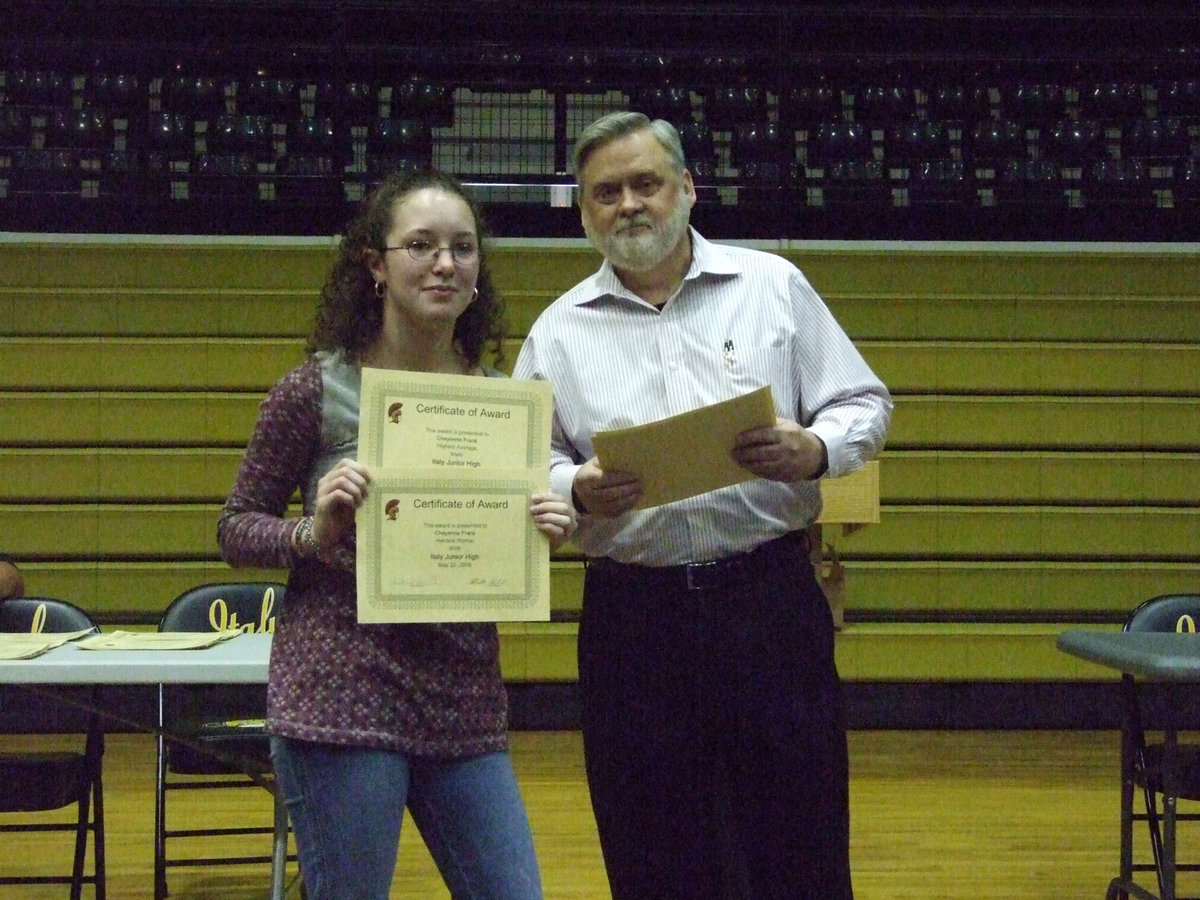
x=688 y=454
x=25 y=649
x=157 y=640
x=25 y=645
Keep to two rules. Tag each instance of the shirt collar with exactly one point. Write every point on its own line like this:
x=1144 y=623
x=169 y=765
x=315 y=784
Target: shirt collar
x=707 y=259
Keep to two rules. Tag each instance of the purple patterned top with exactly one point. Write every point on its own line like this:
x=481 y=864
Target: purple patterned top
x=427 y=690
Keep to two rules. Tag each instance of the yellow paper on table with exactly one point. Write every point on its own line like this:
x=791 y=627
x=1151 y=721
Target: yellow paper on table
x=156 y=640
x=445 y=533
x=27 y=645
x=688 y=454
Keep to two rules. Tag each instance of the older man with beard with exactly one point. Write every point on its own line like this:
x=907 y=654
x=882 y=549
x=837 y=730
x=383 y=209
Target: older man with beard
x=713 y=723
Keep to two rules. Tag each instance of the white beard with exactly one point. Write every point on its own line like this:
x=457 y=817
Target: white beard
x=645 y=249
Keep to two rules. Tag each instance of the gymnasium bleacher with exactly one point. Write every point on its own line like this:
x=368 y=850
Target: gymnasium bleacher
x=862 y=120
x=1003 y=213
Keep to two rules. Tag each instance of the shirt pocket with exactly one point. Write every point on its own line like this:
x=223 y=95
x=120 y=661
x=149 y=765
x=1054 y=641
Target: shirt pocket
x=749 y=368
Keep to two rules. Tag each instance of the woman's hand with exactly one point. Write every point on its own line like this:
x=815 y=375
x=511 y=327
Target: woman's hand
x=554 y=517
x=341 y=491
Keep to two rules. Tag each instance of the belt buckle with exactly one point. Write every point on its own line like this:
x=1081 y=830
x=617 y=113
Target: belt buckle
x=695 y=574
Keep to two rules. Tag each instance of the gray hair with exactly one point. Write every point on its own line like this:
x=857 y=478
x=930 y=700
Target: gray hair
x=618 y=125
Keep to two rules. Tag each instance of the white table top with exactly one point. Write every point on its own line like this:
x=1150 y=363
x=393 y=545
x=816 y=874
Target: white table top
x=1156 y=656
x=240 y=660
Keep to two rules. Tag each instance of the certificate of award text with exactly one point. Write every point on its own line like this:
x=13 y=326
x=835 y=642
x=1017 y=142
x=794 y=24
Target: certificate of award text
x=445 y=534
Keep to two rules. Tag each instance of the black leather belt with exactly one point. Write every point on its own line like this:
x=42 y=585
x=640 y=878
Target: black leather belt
x=741 y=567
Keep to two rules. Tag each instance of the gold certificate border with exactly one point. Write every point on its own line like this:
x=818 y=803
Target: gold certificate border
x=380 y=385
x=530 y=603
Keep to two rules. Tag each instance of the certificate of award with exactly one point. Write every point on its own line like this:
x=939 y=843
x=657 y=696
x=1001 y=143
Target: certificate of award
x=688 y=454
x=437 y=547
x=445 y=533
x=461 y=422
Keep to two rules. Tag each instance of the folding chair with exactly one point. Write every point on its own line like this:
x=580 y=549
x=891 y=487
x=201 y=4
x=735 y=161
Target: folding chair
x=55 y=779
x=226 y=720
x=1169 y=613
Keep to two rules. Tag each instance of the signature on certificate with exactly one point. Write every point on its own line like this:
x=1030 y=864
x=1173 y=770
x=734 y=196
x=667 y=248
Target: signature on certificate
x=410 y=581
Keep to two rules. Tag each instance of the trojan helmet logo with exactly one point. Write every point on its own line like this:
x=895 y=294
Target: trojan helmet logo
x=395 y=411
x=392 y=509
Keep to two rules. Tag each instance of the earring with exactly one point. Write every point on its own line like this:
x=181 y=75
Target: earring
x=380 y=290
x=475 y=295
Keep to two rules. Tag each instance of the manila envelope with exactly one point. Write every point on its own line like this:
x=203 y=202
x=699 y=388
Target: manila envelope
x=688 y=454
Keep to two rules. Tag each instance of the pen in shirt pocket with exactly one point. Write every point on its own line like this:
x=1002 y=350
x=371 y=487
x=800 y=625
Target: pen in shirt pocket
x=727 y=353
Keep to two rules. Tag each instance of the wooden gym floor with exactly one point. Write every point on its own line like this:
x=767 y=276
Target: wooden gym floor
x=962 y=815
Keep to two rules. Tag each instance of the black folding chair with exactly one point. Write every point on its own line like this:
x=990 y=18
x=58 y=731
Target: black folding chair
x=49 y=780
x=1167 y=613
x=223 y=725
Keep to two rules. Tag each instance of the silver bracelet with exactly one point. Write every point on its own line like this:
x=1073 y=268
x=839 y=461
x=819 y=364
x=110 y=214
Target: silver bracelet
x=306 y=542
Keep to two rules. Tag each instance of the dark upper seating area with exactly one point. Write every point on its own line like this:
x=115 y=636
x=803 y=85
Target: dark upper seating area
x=862 y=120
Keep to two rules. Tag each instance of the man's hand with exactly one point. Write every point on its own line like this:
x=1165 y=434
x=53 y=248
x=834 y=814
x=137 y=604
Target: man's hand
x=604 y=494
x=785 y=451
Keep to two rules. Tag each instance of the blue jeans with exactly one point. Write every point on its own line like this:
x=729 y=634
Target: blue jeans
x=347 y=804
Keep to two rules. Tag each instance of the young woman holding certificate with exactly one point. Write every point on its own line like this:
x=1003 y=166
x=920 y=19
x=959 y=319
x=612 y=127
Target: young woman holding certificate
x=368 y=720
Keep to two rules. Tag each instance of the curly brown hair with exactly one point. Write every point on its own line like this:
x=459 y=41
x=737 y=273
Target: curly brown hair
x=350 y=315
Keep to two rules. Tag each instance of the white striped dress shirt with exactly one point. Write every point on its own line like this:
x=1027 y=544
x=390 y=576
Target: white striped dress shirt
x=741 y=319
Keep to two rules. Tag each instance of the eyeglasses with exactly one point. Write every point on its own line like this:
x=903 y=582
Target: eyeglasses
x=464 y=252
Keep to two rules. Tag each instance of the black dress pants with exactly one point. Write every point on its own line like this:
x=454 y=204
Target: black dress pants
x=714 y=733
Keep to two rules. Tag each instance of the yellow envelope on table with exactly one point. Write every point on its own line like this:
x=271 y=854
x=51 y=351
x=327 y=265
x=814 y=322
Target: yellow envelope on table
x=688 y=454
